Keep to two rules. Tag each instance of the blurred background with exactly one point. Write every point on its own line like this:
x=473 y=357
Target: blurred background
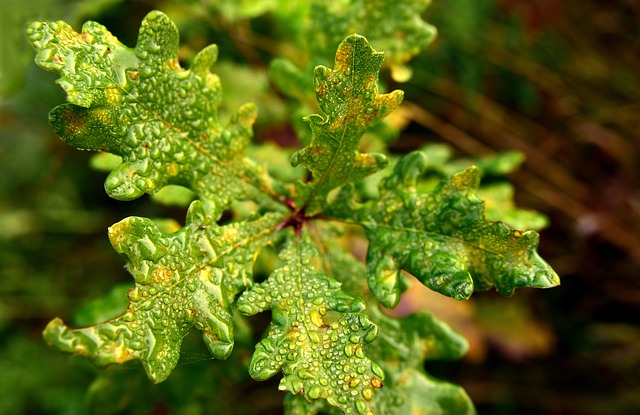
x=556 y=80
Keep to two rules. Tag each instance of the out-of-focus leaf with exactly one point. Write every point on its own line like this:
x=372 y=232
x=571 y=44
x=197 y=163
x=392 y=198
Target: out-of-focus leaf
x=245 y=84
x=14 y=56
x=173 y=195
x=105 y=308
x=395 y=27
x=234 y=10
x=439 y=159
x=104 y=161
x=499 y=206
x=277 y=162
x=497 y=195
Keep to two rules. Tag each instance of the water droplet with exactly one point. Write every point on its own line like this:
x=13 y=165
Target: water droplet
x=314 y=337
x=304 y=374
x=348 y=350
x=245 y=309
x=377 y=370
x=367 y=393
x=362 y=407
x=315 y=392
x=376 y=383
x=145 y=71
x=136 y=345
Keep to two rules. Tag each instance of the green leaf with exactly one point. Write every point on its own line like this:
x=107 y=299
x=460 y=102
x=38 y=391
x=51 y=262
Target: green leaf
x=499 y=206
x=440 y=161
x=320 y=358
x=395 y=26
x=401 y=349
x=15 y=58
x=140 y=105
x=444 y=240
x=292 y=81
x=183 y=280
x=104 y=308
x=348 y=96
x=173 y=195
x=235 y=10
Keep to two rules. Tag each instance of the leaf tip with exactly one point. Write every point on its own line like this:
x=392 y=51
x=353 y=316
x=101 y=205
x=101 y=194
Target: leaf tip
x=33 y=30
x=205 y=59
x=54 y=331
x=158 y=37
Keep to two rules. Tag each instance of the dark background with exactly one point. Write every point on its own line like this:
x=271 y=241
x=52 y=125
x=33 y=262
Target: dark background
x=556 y=80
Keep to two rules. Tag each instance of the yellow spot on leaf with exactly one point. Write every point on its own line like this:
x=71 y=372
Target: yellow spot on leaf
x=369 y=83
x=174 y=64
x=316 y=319
x=73 y=123
x=162 y=275
x=101 y=114
x=337 y=124
x=343 y=57
x=112 y=94
x=172 y=169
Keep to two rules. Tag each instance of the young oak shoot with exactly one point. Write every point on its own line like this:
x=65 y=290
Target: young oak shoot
x=162 y=120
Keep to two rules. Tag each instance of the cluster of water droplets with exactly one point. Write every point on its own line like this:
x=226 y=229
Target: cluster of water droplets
x=320 y=358
x=447 y=242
